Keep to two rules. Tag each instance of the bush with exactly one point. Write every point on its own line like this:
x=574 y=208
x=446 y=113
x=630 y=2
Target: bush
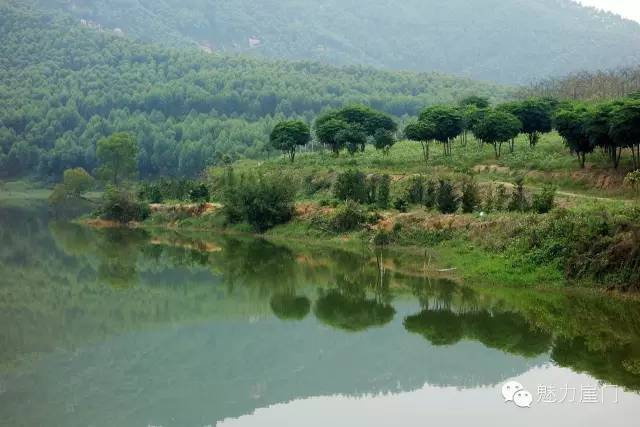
x=382 y=238
x=174 y=189
x=384 y=192
x=199 y=194
x=446 y=198
x=470 y=195
x=544 y=201
x=416 y=190
x=351 y=185
x=431 y=194
x=502 y=196
x=401 y=204
x=122 y=206
x=75 y=183
x=632 y=179
x=263 y=201
x=314 y=184
x=347 y=217
x=519 y=199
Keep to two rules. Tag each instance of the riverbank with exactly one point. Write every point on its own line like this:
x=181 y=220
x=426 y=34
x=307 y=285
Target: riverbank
x=592 y=246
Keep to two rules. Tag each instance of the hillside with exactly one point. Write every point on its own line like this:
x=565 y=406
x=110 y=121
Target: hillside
x=509 y=41
x=64 y=86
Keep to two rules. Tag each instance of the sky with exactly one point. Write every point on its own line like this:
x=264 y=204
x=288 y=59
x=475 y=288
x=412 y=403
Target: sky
x=627 y=8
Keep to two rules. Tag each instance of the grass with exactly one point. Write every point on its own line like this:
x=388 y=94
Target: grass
x=550 y=162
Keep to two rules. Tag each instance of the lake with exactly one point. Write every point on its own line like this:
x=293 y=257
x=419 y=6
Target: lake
x=117 y=327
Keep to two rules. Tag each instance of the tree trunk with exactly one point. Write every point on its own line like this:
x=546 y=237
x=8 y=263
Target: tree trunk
x=292 y=155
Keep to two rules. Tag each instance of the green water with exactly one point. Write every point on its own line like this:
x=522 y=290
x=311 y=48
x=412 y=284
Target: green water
x=131 y=328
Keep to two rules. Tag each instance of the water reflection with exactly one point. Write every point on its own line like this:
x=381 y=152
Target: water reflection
x=188 y=316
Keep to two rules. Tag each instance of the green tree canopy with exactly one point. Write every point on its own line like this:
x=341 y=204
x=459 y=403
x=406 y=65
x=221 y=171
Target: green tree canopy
x=475 y=101
x=447 y=121
x=570 y=122
x=497 y=127
x=535 y=115
x=423 y=132
x=117 y=157
x=327 y=128
x=74 y=184
x=625 y=128
x=288 y=135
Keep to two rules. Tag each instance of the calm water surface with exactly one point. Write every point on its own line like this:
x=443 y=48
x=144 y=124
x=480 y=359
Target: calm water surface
x=127 y=328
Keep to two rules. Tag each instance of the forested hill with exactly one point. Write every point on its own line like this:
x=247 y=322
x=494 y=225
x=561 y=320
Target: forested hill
x=512 y=41
x=64 y=86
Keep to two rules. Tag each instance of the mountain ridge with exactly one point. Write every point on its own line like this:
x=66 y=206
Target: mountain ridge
x=506 y=41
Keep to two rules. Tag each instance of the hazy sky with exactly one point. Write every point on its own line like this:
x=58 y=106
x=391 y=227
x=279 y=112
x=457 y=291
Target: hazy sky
x=627 y=8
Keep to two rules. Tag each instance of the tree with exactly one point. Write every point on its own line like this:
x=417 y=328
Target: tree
x=448 y=124
x=535 y=116
x=597 y=125
x=117 y=157
x=367 y=119
x=470 y=195
x=570 y=123
x=288 y=135
x=625 y=128
x=351 y=137
x=446 y=198
x=423 y=132
x=352 y=119
x=479 y=102
x=327 y=130
x=497 y=127
x=383 y=140
x=74 y=184
x=384 y=192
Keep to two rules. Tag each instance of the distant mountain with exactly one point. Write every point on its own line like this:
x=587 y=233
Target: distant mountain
x=64 y=86
x=508 y=41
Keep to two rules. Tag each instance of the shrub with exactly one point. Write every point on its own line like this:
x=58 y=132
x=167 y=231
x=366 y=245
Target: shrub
x=351 y=185
x=174 y=189
x=431 y=194
x=262 y=201
x=371 y=184
x=633 y=180
x=544 y=201
x=382 y=238
x=470 y=195
x=347 y=217
x=384 y=192
x=502 y=196
x=75 y=183
x=199 y=194
x=122 y=206
x=314 y=184
x=401 y=204
x=519 y=199
x=446 y=198
x=416 y=190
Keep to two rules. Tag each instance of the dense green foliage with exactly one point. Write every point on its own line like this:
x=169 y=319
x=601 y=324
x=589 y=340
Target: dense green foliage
x=122 y=206
x=288 y=135
x=261 y=201
x=182 y=190
x=501 y=40
x=496 y=128
x=602 y=246
x=75 y=183
x=64 y=87
x=116 y=156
